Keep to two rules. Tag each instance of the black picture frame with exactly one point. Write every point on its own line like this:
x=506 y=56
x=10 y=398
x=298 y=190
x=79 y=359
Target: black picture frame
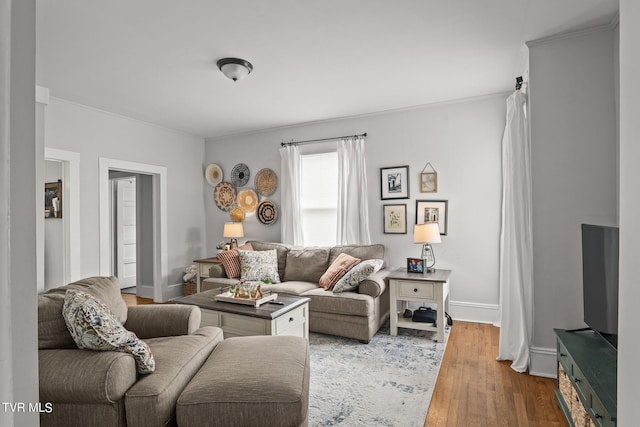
x=415 y=265
x=394 y=219
x=394 y=182
x=437 y=209
x=53 y=199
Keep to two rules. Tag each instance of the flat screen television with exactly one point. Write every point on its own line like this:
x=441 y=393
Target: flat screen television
x=600 y=279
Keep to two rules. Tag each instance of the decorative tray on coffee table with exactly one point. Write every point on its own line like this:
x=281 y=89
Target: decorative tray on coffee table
x=249 y=298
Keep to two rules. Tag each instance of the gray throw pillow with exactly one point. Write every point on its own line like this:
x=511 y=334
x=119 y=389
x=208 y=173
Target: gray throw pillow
x=357 y=274
x=259 y=265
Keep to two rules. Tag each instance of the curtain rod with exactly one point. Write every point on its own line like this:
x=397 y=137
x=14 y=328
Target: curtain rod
x=311 y=141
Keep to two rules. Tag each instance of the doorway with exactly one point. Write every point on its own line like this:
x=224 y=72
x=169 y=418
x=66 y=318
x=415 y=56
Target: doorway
x=143 y=247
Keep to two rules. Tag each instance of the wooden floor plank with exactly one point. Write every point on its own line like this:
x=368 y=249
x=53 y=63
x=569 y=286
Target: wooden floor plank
x=474 y=389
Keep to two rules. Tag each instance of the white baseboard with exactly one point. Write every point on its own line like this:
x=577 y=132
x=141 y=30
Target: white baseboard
x=144 y=291
x=173 y=292
x=474 y=312
x=543 y=362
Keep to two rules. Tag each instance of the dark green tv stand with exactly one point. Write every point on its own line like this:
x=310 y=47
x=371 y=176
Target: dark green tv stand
x=587 y=378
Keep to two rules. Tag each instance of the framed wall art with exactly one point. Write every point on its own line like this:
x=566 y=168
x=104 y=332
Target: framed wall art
x=53 y=199
x=428 y=180
x=415 y=265
x=433 y=211
x=395 y=219
x=394 y=182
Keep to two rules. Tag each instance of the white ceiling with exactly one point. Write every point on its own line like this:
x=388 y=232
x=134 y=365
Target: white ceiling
x=154 y=60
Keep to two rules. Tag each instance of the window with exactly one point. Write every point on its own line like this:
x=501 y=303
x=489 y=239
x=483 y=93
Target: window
x=319 y=198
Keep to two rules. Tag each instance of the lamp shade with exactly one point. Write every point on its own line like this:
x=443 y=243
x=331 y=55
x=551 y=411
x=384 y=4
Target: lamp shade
x=233 y=230
x=426 y=233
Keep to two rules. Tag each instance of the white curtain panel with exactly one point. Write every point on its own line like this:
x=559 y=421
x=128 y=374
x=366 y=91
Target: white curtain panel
x=290 y=225
x=516 y=248
x=353 y=209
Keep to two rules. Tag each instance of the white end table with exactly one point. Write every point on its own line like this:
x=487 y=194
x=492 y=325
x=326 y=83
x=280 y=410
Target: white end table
x=430 y=288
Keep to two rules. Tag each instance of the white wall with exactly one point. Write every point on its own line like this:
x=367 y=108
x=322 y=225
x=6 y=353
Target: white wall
x=462 y=140
x=574 y=155
x=18 y=207
x=629 y=315
x=95 y=134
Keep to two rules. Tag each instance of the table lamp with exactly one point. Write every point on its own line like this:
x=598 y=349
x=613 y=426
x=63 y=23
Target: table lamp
x=427 y=234
x=233 y=230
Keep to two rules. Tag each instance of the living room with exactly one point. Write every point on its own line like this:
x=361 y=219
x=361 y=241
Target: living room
x=575 y=78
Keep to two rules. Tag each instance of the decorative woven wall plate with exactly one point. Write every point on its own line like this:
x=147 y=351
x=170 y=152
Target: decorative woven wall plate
x=247 y=200
x=267 y=213
x=224 y=195
x=240 y=174
x=266 y=182
x=236 y=213
x=213 y=174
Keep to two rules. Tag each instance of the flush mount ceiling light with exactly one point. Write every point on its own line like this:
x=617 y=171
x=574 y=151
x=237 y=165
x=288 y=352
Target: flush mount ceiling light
x=235 y=68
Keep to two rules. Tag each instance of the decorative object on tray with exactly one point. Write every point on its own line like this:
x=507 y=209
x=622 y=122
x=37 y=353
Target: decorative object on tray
x=266 y=182
x=213 y=174
x=224 y=195
x=394 y=182
x=247 y=200
x=395 y=219
x=428 y=180
x=433 y=211
x=247 y=293
x=240 y=174
x=267 y=212
x=236 y=213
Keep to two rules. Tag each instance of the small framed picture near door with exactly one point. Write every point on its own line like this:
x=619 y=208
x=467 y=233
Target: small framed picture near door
x=53 y=199
x=433 y=211
x=394 y=182
x=395 y=219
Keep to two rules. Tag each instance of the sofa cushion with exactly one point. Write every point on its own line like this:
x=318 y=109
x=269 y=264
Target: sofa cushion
x=231 y=261
x=93 y=327
x=262 y=265
x=52 y=330
x=357 y=274
x=350 y=303
x=339 y=267
x=281 y=251
x=152 y=400
x=363 y=252
x=290 y=287
x=306 y=264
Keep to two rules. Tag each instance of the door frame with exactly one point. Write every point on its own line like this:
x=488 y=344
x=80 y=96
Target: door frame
x=160 y=245
x=71 y=207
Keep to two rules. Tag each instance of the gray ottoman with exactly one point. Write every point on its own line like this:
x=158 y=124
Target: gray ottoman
x=249 y=381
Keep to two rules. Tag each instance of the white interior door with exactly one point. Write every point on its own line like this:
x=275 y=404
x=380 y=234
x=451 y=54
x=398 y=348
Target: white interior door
x=126 y=264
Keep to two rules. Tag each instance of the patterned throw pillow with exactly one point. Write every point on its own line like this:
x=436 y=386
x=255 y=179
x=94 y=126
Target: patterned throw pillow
x=338 y=268
x=357 y=274
x=231 y=260
x=94 y=327
x=259 y=265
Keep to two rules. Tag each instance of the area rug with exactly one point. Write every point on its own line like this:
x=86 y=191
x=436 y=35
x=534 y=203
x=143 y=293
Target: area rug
x=388 y=382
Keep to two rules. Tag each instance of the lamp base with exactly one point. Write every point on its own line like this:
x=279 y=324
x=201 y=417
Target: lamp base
x=429 y=270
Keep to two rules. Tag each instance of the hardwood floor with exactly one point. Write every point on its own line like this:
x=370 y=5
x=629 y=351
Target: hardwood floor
x=473 y=389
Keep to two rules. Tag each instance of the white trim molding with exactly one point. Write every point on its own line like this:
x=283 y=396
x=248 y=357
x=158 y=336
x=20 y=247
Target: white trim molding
x=474 y=312
x=543 y=362
x=160 y=245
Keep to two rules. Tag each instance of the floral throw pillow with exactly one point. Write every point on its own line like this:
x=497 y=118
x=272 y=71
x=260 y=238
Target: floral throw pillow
x=259 y=265
x=94 y=327
x=357 y=274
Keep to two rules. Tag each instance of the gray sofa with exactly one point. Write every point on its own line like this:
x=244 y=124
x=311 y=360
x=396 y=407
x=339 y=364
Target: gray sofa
x=358 y=314
x=102 y=388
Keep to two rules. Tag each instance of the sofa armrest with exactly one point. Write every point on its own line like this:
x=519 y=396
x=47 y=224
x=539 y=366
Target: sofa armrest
x=218 y=271
x=84 y=376
x=151 y=321
x=374 y=285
